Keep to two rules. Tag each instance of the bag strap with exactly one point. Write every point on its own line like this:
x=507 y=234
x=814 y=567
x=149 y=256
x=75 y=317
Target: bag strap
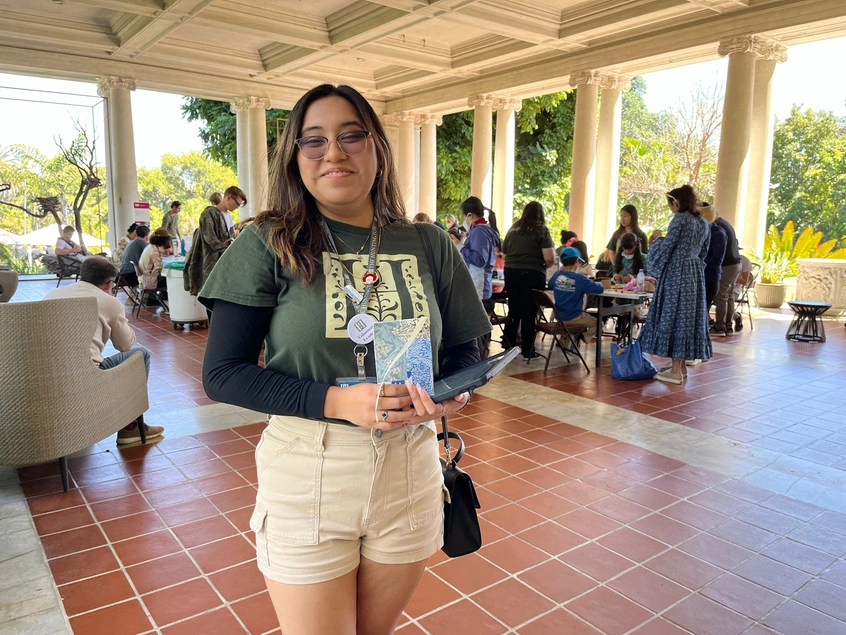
x=445 y=436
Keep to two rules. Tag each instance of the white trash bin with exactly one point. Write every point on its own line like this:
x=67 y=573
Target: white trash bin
x=184 y=307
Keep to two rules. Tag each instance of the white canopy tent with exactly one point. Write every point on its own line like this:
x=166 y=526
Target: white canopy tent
x=8 y=238
x=50 y=234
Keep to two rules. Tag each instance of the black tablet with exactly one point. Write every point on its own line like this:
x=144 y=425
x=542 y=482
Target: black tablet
x=472 y=377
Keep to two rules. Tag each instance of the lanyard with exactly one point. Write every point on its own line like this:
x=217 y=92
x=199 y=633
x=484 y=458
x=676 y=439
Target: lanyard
x=359 y=301
x=349 y=286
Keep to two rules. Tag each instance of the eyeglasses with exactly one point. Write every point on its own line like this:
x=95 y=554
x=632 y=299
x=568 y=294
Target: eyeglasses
x=315 y=148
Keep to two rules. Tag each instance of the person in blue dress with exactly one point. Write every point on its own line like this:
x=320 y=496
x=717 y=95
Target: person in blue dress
x=677 y=323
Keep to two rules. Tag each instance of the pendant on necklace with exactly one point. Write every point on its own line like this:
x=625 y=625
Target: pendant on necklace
x=370 y=277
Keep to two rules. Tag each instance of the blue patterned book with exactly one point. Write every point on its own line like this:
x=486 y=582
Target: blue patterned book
x=404 y=351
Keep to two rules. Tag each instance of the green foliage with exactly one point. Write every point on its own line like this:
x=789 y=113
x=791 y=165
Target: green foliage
x=32 y=174
x=218 y=130
x=808 y=180
x=189 y=178
x=21 y=265
x=543 y=150
x=782 y=250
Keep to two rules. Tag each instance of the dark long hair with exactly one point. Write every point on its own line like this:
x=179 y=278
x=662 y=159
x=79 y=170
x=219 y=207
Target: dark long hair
x=631 y=210
x=532 y=220
x=473 y=205
x=293 y=220
x=629 y=241
x=582 y=247
x=687 y=199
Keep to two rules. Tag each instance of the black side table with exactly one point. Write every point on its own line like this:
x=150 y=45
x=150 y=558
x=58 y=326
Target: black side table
x=807 y=324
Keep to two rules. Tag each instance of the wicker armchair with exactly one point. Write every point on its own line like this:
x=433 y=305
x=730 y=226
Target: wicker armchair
x=53 y=400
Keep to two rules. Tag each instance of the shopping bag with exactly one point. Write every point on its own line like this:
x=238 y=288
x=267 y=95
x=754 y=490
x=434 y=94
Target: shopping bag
x=629 y=362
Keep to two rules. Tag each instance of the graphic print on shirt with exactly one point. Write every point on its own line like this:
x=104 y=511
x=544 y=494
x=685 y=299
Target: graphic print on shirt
x=565 y=283
x=386 y=300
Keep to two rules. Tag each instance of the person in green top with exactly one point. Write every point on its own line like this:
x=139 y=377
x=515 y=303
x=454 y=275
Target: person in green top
x=350 y=492
x=629 y=261
x=529 y=252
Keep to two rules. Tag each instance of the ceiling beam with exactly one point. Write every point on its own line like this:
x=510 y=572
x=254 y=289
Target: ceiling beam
x=133 y=7
x=664 y=39
x=140 y=33
x=167 y=79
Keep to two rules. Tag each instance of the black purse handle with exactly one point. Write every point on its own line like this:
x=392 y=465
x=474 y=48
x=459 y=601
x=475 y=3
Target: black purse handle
x=445 y=436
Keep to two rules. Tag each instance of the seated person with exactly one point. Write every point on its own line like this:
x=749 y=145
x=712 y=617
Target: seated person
x=629 y=260
x=96 y=277
x=569 y=288
x=585 y=267
x=151 y=262
x=68 y=251
x=132 y=253
x=117 y=255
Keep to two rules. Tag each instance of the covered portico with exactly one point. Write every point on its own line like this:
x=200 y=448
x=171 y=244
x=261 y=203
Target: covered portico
x=416 y=61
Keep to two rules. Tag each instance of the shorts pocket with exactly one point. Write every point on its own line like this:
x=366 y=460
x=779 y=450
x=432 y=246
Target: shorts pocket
x=289 y=475
x=258 y=523
x=425 y=479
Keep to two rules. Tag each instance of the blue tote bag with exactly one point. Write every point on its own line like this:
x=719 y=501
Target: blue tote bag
x=629 y=362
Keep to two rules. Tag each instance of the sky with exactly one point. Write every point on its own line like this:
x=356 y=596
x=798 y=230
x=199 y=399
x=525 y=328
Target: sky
x=159 y=127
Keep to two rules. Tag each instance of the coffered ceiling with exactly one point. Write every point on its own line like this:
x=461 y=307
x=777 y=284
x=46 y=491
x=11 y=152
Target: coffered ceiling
x=403 y=54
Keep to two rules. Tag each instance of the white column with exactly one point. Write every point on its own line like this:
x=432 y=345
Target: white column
x=406 y=160
x=242 y=142
x=583 y=170
x=429 y=164
x=761 y=149
x=607 y=159
x=503 y=178
x=736 y=130
x=251 y=149
x=481 y=168
x=121 y=168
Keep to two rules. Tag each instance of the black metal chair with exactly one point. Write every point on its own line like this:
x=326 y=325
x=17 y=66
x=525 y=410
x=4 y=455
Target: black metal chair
x=557 y=329
x=749 y=287
x=68 y=268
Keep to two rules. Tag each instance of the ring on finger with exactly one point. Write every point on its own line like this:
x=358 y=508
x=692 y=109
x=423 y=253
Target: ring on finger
x=384 y=415
x=382 y=390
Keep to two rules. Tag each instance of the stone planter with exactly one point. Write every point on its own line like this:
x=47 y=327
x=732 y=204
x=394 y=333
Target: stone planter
x=824 y=280
x=9 y=282
x=770 y=296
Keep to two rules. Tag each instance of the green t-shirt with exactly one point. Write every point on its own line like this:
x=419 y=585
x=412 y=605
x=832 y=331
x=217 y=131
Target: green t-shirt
x=308 y=338
x=524 y=252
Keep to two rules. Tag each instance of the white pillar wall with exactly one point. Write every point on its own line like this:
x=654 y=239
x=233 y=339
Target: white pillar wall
x=251 y=149
x=481 y=168
x=122 y=174
x=406 y=160
x=736 y=131
x=583 y=170
x=607 y=160
x=428 y=202
x=503 y=177
x=761 y=154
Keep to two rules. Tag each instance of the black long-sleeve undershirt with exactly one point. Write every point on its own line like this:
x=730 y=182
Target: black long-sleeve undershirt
x=231 y=373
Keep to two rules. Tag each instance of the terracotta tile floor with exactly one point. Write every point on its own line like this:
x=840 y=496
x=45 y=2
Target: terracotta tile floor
x=583 y=533
x=627 y=542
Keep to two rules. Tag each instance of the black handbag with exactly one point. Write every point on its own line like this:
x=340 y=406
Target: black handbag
x=462 y=534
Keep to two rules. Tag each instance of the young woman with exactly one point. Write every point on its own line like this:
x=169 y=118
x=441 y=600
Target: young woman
x=350 y=494
x=528 y=250
x=150 y=262
x=479 y=253
x=629 y=261
x=117 y=256
x=628 y=224
x=677 y=323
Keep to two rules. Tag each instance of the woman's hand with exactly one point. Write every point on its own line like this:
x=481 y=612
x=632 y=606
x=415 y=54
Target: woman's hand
x=363 y=405
x=617 y=277
x=627 y=278
x=426 y=409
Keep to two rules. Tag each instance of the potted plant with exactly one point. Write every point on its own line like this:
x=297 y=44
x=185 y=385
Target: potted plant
x=779 y=260
x=8 y=276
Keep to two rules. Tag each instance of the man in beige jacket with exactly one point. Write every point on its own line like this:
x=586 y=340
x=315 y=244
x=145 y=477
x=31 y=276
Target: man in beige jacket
x=96 y=278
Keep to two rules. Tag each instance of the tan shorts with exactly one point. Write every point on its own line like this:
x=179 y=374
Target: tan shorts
x=330 y=493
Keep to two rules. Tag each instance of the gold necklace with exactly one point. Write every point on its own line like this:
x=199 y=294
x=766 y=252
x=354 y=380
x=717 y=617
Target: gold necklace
x=348 y=246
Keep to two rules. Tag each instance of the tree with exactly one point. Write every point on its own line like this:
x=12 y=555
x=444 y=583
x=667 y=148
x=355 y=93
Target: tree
x=80 y=154
x=808 y=180
x=218 y=130
x=660 y=151
x=189 y=178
